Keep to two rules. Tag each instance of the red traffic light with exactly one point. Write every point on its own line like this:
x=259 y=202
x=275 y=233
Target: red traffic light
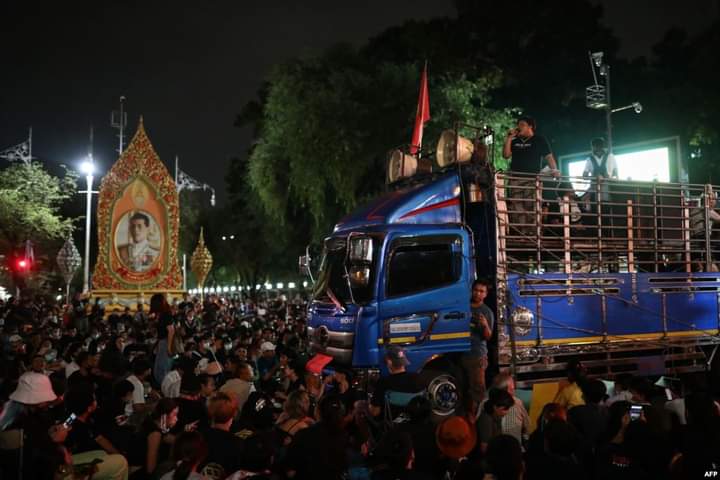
x=22 y=264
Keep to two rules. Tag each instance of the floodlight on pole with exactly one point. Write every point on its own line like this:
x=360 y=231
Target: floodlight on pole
x=597 y=96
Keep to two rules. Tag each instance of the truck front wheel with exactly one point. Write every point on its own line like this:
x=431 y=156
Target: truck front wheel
x=444 y=393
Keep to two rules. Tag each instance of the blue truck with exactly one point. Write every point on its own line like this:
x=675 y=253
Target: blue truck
x=620 y=277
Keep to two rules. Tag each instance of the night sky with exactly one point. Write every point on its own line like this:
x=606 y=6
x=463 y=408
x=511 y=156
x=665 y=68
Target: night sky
x=189 y=69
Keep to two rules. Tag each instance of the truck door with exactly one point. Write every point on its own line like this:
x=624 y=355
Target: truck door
x=425 y=294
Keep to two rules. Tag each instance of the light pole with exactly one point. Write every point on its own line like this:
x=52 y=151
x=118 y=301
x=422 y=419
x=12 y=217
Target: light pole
x=597 y=96
x=88 y=168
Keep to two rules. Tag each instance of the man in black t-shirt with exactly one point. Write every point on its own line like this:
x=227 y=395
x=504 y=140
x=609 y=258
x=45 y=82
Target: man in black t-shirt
x=528 y=152
x=399 y=380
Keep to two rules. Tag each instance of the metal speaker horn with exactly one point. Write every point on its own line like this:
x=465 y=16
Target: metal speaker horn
x=453 y=148
x=400 y=165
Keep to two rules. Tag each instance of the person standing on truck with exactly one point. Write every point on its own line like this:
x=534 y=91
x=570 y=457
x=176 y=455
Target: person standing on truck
x=528 y=152
x=699 y=225
x=600 y=166
x=481 y=326
x=601 y=163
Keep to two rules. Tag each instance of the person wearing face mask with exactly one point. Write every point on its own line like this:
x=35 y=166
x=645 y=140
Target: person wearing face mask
x=154 y=453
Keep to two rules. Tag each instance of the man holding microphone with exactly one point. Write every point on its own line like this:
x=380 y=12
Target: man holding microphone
x=528 y=152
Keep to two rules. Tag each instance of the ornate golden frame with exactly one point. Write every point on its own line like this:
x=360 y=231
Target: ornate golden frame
x=138 y=161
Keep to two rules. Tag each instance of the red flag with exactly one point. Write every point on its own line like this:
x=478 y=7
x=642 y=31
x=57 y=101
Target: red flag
x=422 y=115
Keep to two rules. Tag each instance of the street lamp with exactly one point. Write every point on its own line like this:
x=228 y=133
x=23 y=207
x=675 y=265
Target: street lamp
x=597 y=96
x=88 y=168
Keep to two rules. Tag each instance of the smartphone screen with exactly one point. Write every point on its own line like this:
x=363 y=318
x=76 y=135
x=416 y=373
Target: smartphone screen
x=69 y=420
x=635 y=412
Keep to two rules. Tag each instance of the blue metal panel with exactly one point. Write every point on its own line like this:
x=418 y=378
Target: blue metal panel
x=442 y=301
x=633 y=304
x=436 y=202
x=366 y=351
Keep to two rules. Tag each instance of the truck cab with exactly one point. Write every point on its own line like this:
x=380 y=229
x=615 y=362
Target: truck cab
x=399 y=272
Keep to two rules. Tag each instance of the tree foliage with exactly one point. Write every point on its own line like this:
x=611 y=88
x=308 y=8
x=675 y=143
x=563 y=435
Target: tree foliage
x=30 y=209
x=327 y=124
x=30 y=202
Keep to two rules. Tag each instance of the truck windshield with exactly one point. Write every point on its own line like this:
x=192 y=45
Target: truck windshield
x=332 y=279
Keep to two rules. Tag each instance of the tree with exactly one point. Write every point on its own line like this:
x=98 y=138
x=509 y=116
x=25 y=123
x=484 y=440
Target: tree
x=327 y=123
x=30 y=202
x=262 y=248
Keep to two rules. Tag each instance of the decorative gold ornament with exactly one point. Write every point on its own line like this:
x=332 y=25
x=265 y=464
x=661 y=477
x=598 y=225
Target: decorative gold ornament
x=201 y=263
x=138 y=183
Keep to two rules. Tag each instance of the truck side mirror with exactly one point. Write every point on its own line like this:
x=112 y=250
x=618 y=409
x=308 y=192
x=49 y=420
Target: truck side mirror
x=360 y=249
x=304 y=265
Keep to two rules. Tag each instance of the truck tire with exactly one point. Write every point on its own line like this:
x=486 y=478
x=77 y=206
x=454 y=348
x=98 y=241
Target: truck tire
x=444 y=393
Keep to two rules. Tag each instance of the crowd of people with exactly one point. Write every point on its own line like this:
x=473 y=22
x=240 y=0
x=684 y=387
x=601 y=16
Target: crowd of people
x=223 y=389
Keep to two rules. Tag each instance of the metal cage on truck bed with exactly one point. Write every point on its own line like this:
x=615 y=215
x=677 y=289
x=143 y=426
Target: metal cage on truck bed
x=620 y=272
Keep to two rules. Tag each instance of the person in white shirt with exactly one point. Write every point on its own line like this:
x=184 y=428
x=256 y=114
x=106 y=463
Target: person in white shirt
x=621 y=389
x=241 y=385
x=171 y=384
x=517 y=421
x=600 y=163
x=600 y=166
x=141 y=372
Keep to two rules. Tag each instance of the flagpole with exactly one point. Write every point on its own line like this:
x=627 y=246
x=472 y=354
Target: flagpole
x=176 y=169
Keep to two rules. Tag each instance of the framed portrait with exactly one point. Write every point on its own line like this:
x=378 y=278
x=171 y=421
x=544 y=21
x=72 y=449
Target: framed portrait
x=138 y=240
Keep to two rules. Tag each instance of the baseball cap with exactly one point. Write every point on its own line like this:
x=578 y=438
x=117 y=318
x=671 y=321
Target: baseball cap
x=397 y=356
x=267 y=347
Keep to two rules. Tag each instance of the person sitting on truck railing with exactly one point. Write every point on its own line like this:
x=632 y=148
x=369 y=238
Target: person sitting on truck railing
x=481 y=326
x=698 y=227
x=399 y=380
x=528 y=152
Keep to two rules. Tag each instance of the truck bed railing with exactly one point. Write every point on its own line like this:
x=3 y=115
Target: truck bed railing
x=572 y=224
x=607 y=268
